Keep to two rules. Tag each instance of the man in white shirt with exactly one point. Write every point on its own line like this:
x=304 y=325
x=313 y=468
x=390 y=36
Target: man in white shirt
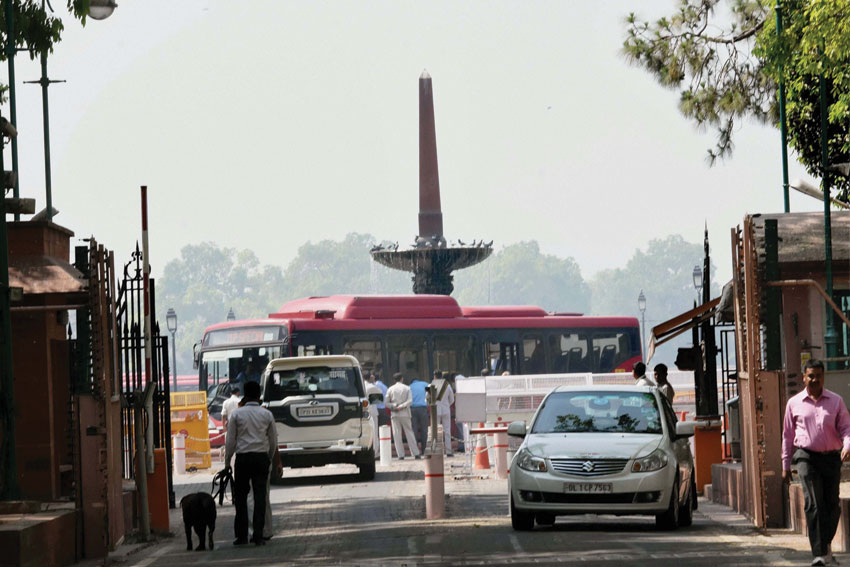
x=398 y=401
x=444 y=409
x=639 y=374
x=252 y=437
x=230 y=405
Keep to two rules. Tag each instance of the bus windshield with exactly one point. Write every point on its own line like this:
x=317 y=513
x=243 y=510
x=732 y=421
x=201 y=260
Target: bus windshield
x=236 y=365
x=313 y=380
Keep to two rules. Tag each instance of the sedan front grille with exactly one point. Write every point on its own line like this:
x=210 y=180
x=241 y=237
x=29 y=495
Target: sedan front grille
x=588 y=467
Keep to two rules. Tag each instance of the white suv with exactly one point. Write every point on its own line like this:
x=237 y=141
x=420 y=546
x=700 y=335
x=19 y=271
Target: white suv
x=321 y=411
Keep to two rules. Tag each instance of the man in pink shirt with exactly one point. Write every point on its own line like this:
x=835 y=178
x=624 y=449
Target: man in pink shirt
x=816 y=438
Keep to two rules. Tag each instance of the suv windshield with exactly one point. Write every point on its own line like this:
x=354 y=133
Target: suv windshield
x=614 y=412
x=313 y=380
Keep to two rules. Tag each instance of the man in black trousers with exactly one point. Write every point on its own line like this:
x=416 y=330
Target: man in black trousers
x=816 y=438
x=252 y=437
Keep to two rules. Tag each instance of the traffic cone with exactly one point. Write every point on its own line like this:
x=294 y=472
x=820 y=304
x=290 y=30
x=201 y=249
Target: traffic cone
x=482 y=462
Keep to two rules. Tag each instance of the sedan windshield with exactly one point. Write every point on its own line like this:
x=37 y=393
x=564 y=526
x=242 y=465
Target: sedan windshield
x=614 y=412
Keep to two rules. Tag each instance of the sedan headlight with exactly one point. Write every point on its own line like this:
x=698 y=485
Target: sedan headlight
x=528 y=462
x=654 y=461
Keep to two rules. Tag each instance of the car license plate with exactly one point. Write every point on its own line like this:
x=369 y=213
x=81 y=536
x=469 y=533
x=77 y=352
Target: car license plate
x=314 y=412
x=588 y=488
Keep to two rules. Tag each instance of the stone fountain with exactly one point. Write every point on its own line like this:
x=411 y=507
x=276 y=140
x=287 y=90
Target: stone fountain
x=431 y=259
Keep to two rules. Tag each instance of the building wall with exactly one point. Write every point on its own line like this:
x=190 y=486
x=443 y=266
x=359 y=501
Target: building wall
x=41 y=399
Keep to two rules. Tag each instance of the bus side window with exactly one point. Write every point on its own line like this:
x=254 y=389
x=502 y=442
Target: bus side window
x=314 y=350
x=408 y=354
x=455 y=353
x=367 y=351
x=570 y=352
x=533 y=357
x=502 y=357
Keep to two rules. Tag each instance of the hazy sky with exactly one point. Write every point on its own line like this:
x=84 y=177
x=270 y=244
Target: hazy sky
x=265 y=124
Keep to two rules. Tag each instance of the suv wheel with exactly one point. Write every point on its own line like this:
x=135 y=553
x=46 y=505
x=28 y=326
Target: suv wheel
x=367 y=465
x=521 y=521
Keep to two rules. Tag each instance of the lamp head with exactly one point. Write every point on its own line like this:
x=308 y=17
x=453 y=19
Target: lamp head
x=697 y=277
x=230 y=315
x=642 y=302
x=101 y=9
x=171 y=320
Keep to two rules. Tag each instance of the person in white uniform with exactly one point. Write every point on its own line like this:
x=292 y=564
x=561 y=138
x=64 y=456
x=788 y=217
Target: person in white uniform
x=444 y=409
x=371 y=388
x=399 y=401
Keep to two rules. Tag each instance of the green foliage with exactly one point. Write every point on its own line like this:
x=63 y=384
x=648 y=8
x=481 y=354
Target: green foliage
x=665 y=274
x=815 y=40
x=331 y=267
x=520 y=274
x=720 y=79
x=34 y=29
x=205 y=282
x=729 y=66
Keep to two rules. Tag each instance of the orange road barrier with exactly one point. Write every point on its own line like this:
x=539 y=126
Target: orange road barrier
x=158 y=492
x=482 y=462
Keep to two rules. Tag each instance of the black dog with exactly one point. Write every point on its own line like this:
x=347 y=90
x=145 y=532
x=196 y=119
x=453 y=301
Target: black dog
x=198 y=513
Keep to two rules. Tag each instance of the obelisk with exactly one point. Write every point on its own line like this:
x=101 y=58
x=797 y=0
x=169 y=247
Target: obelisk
x=430 y=212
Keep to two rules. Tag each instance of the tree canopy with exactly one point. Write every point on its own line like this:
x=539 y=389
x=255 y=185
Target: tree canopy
x=727 y=65
x=35 y=29
x=520 y=274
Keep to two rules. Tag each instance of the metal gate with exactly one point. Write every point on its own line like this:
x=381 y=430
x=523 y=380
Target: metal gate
x=130 y=318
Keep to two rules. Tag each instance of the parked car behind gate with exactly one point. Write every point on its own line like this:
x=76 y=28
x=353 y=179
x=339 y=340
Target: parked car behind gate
x=321 y=411
x=614 y=449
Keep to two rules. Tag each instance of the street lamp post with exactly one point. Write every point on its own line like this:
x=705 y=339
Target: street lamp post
x=171 y=322
x=642 y=307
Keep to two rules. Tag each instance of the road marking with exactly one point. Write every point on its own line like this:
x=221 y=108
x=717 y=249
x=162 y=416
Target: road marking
x=515 y=543
x=154 y=556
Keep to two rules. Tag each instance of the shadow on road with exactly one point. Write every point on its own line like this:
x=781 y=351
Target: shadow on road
x=320 y=479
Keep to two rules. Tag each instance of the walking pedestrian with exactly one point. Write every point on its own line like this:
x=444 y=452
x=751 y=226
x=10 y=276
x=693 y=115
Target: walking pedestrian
x=444 y=409
x=419 y=412
x=252 y=437
x=398 y=401
x=664 y=386
x=816 y=438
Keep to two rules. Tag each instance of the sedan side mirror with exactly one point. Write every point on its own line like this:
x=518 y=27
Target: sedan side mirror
x=685 y=428
x=517 y=429
x=376 y=398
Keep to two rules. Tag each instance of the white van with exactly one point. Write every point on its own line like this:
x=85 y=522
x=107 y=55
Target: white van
x=321 y=411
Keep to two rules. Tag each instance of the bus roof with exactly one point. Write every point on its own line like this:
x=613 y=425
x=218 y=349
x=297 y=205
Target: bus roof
x=245 y=322
x=421 y=311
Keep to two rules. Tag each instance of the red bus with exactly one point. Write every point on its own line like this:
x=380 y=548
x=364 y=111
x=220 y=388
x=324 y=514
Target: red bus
x=417 y=334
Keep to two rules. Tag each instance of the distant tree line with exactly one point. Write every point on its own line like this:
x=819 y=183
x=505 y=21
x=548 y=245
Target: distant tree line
x=206 y=281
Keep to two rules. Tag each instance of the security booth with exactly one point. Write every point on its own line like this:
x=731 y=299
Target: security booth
x=786 y=312
x=189 y=418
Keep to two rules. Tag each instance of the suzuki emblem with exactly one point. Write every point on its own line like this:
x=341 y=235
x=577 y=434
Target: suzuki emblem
x=314 y=402
x=588 y=466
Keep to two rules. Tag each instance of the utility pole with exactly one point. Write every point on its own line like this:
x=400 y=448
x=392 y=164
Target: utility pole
x=10 y=489
x=830 y=337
